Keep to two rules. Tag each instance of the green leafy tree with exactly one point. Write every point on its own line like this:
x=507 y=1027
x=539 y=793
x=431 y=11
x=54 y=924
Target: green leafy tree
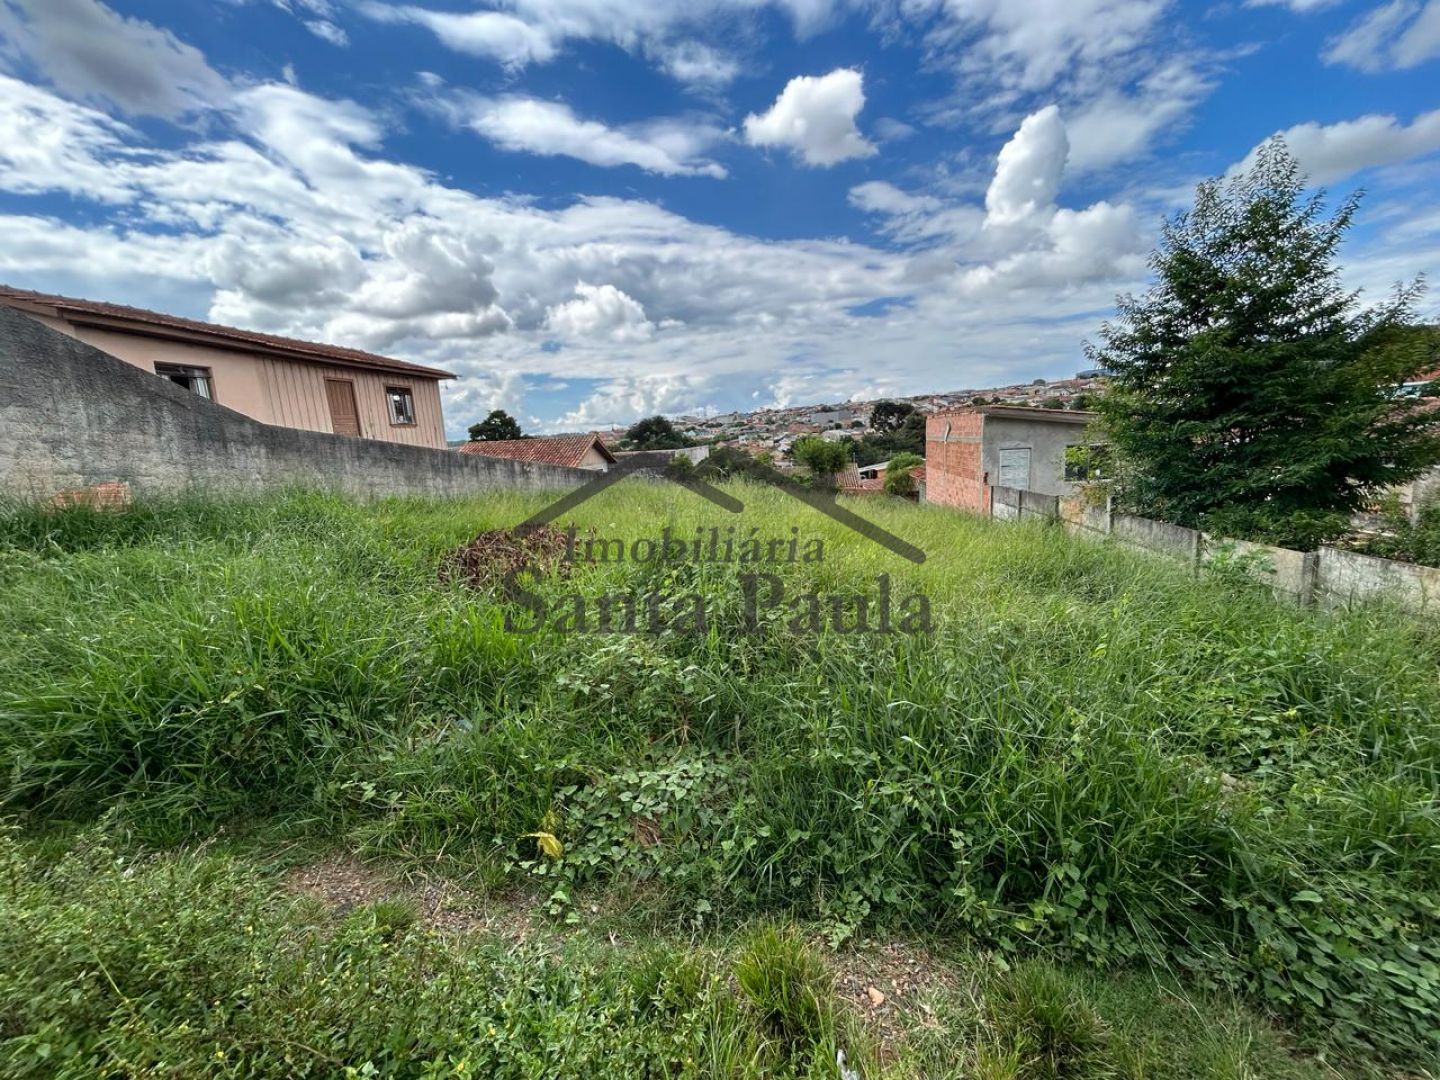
x=898 y=480
x=655 y=433
x=887 y=416
x=822 y=457
x=499 y=425
x=908 y=437
x=1250 y=393
x=727 y=461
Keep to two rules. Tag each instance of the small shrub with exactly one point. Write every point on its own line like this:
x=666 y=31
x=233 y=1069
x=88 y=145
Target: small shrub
x=1044 y=1026
x=793 y=993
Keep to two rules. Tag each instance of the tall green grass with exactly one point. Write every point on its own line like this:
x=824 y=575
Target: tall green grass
x=1094 y=756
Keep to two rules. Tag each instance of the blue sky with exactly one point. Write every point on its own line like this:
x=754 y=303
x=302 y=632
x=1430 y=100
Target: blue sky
x=594 y=210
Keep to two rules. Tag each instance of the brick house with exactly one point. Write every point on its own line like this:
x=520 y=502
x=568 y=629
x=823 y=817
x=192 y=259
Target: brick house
x=972 y=449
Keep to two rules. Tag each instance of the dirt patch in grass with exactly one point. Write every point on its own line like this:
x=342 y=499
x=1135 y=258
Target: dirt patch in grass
x=892 y=984
x=487 y=560
x=343 y=883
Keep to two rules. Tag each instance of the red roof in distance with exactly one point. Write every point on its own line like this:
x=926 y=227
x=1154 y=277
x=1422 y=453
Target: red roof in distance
x=548 y=449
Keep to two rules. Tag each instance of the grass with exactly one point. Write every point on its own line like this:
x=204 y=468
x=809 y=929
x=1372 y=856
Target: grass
x=1151 y=815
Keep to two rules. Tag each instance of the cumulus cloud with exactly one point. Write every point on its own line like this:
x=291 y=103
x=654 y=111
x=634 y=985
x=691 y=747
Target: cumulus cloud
x=600 y=312
x=1023 y=240
x=1400 y=34
x=670 y=147
x=1119 y=125
x=89 y=52
x=1329 y=152
x=1028 y=170
x=1077 y=246
x=289 y=218
x=814 y=117
x=641 y=395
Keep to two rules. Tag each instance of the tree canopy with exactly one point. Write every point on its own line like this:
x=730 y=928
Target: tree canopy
x=499 y=425
x=905 y=435
x=887 y=416
x=1250 y=393
x=823 y=457
x=655 y=433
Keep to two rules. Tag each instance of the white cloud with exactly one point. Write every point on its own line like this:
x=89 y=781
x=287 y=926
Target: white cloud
x=1029 y=44
x=630 y=398
x=328 y=31
x=493 y=34
x=815 y=118
x=696 y=64
x=1329 y=152
x=47 y=144
x=888 y=129
x=1400 y=34
x=1028 y=170
x=1299 y=6
x=1117 y=126
x=89 y=52
x=1098 y=243
x=670 y=147
x=882 y=197
x=535 y=31
x=599 y=312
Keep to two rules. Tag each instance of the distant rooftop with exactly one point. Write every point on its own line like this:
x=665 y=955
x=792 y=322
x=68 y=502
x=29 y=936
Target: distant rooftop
x=549 y=449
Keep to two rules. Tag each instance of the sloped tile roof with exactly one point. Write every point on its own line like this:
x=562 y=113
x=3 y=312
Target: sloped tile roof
x=158 y=324
x=549 y=450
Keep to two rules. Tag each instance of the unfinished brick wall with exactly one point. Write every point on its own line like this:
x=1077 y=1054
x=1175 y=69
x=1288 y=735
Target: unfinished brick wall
x=953 y=476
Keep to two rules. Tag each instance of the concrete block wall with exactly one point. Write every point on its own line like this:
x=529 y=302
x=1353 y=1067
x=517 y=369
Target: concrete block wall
x=1156 y=536
x=1079 y=515
x=1004 y=503
x=1330 y=576
x=1035 y=505
x=72 y=417
x=1017 y=504
x=1291 y=575
x=1343 y=577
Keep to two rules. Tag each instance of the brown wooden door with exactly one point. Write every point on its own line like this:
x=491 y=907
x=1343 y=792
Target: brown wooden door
x=344 y=415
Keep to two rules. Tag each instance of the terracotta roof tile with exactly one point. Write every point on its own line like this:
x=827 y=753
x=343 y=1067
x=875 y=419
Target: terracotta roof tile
x=221 y=336
x=550 y=450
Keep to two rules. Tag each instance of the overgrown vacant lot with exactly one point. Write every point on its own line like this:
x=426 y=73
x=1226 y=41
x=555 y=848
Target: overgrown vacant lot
x=1105 y=821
